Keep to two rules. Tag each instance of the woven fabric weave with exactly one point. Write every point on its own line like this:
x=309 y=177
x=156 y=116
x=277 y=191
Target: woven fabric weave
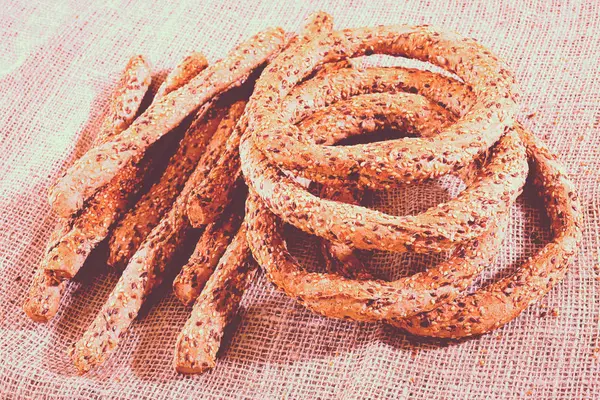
x=59 y=62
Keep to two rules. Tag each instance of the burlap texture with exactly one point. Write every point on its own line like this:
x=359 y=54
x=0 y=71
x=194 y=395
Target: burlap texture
x=58 y=64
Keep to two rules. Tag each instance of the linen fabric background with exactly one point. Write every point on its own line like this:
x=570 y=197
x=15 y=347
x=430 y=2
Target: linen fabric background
x=60 y=60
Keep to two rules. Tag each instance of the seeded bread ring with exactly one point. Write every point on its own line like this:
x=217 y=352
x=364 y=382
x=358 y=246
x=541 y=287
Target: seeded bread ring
x=403 y=160
x=354 y=225
x=497 y=304
x=334 y=296
x=453 y=322
x=439 y=228
x=333 y=84
x=368 y=300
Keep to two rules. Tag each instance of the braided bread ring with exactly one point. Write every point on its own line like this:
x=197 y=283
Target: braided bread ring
x=406 y=159
x=99 y=165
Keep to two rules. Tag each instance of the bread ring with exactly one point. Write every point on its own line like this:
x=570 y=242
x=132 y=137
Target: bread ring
x=363 y=300
x=406 y=159
x=495 y=305
x=372 y=300
x=460 y=317
x=439 y=228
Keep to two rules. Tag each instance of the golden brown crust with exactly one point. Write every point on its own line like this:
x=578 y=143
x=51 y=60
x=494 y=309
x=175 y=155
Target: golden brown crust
x=339 y=84
x=93 y=225
x=143 y=273
x=372 y=300
x=305 y=102
x=99 y=165
x=200 y=339
x=124 y=105
x=43 y=299
x=371 y=113
x=485 y=310
x=322 y=91
x=315 y=24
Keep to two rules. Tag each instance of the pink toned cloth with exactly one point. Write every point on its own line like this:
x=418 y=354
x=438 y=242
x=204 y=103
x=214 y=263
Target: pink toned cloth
x=58 y=63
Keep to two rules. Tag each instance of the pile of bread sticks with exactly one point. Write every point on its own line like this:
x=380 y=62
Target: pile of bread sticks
x=268 y=113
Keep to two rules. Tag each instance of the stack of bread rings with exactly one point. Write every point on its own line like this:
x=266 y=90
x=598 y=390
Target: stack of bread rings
x=308 y=99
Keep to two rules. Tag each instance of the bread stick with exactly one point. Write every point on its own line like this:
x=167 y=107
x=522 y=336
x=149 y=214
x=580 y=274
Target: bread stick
x=200 y=339
x=95 y=221
x=143 y=273
x=137 y=223
x=99 y=165
x=46 y=289
x=212 y=244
